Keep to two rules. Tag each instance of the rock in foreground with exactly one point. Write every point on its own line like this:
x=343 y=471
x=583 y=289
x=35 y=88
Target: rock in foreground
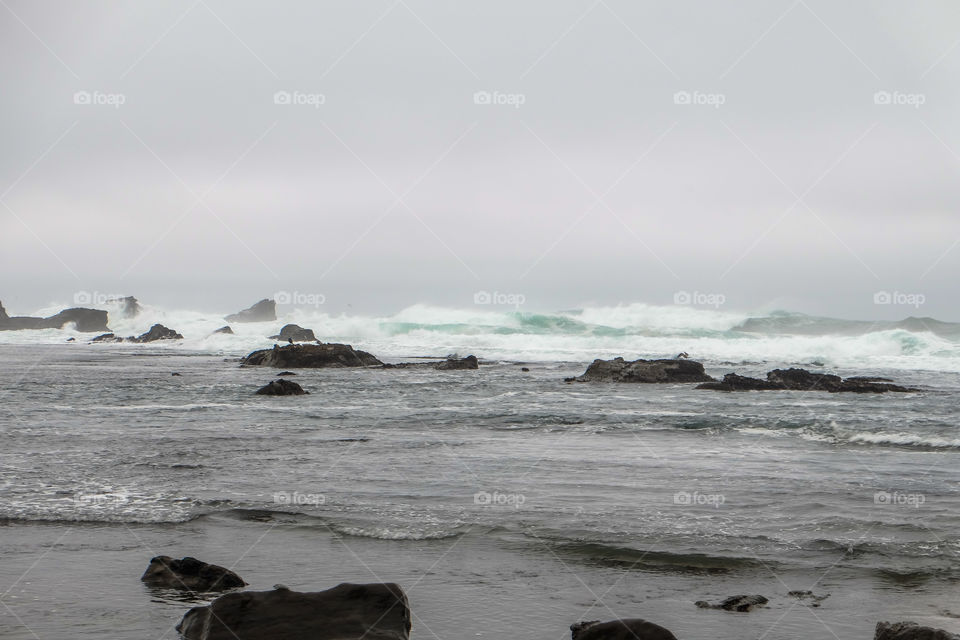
x=644 y=371
x=626 y=629
x=910 y=631
x=346 y=612
x=263 y=311
x=281 y=387
x=296 y=333
x=301 y=356
x=189 y=574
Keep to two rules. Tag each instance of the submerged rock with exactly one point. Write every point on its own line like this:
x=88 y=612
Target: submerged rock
x=296 y=356
x=85 y=320
x=345 y=612
x=802 y=380
x=626 y=629
x=735 y=603
x=296 y=333
x=157 y=332
x=470 y=362
x=262 y=311
x=910 y=631
x=644 y=371
x=189 y=574
x=281 y=387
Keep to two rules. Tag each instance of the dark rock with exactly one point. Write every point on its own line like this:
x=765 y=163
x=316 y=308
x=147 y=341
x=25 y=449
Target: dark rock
x=851 y=385
x=157 y=332
x=298 y=356
x=71 y=339
x=225 y=329
x=734 y=382
x=296 y=333
x=262 y=311
x=803 y=380
x=346 y=612
x=85 y=320
x=627 y=629
x=525 y=369
x=286 y=373
x=735 y=603
x=814 y=599
x=910 y=631
x=189 y=574
x=174 y=374
x=645 y=371
x=129 y=307
x=107 y=337
x=867 y=379
x=470 y=362
x=281 y=387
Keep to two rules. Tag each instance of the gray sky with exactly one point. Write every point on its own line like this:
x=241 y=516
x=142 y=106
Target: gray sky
x=785 y=182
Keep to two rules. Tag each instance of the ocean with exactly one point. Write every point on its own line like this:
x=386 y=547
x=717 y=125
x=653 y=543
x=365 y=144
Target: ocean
x=508 y=504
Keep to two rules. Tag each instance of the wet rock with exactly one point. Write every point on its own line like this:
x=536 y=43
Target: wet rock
x=910 y=631
x=296 y=333
x=227 y=330
x=346 y=612
x=286 y=373
x=802 y=380
x=189 y=574
x=262 y=311
x=107 y=337
x=734 y=382
x=810 y=598
x=626 y=629
x=525 y=369
x=470 y=362
x=735 y=603
x=281 y=387
x=298 y=356
x=157 y=332
x=645 y=371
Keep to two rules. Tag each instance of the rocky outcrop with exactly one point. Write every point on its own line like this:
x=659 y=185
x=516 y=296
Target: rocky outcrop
x=910 y=631
x=129 y=307
x=346 y=612
x=470 y=362
x=296 y=333
x=263 y=311
x=281 y=387
x=644 y=371
x=157 y=332
x=107 y=337
x=299 y=356
x=735 y=603
x=86 y=320
x=626 y=629
x=189 y=574
x=803 y=380
x=225 y=329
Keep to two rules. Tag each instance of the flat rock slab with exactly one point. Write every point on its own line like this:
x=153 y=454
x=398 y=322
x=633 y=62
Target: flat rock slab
x=346 y=612
x=626 y=629
x=301 y=356
x=644 y=371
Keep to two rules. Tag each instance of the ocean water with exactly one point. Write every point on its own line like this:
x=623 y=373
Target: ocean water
x=507 y=503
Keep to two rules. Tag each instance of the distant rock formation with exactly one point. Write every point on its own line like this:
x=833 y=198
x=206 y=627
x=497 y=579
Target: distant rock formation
x=129 y=307
x=225 y=329
x=644 y=371
x=263 y=311
x=157 y=332
x=296 y=333
x=910 y=631
x=86 y=320
x=368 y=611
x=281 y=387
x=626 y=629
x=189 y=574
x=298 y=356
x=803 y=380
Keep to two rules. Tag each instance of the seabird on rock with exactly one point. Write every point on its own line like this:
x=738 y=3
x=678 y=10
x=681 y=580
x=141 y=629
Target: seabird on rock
x=682 y=354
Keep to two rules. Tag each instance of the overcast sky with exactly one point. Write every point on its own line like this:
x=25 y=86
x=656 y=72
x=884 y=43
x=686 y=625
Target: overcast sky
x=623 y=152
